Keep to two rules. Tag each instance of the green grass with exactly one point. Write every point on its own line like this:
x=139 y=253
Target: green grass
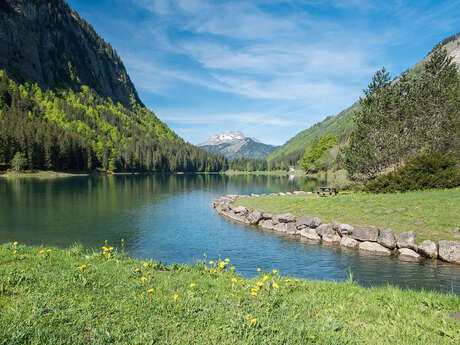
x=47 y=299
x=432 y=214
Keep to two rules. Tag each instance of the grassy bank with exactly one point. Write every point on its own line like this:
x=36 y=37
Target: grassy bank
x=74 y=297
x=270 y=173
x=433 y=214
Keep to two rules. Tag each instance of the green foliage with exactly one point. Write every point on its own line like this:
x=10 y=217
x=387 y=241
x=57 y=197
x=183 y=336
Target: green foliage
x=417 y=113
x=424 y=171
x=315 y=151
x=74 y=297
x=19 y=162
x=66 y=130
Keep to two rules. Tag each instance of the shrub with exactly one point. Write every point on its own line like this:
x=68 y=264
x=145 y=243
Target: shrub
x=424 y=171
x=19 y=162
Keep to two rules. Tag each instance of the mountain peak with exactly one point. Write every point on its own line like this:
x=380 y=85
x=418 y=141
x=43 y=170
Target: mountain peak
x=223 y=138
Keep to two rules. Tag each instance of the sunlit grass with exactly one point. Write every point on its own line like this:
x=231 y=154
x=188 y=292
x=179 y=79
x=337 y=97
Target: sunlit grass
x=433 y=214
x=77 y=297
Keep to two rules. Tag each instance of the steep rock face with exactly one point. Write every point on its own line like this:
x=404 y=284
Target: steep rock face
x=44 y=41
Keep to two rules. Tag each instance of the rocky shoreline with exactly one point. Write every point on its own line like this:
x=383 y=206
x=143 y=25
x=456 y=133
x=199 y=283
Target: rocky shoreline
x=366 y=238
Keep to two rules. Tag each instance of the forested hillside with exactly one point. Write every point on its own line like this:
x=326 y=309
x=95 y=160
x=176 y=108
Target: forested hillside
x=341 y=125
x=67 y=102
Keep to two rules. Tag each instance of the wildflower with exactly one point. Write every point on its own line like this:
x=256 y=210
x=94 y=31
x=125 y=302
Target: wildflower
x=176 y=296
x=41 y=252
x=297 y=280
x=15 y=252
x=260 y=284
x=80 y=268
x=266 y=278
x=253 y=321
x=227 y=260
x=275 y=271
x=146 y=264
x=143 y=279
x=110 y=249
x=49 y=251
x=192 y=285
x=137 y=270
x=104 y=248
x=288 y=280
x=232 y=268
x=258 y=269
x=253 y=293
x=15 y=243
x=148 y=273
x=254 y=290
x=89 y=265
x=150 y=291
x=22 y=271
x=276 y=286
x=234 y=280
x=211 y=262
x=222 y=264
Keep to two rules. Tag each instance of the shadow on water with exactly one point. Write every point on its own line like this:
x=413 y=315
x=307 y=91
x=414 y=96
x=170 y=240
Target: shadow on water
x=169 y=218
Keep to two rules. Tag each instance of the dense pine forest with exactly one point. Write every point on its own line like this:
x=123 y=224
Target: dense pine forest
x=67 y=130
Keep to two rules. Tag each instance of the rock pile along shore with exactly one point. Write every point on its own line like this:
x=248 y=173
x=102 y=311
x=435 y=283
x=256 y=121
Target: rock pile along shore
x=366 y=238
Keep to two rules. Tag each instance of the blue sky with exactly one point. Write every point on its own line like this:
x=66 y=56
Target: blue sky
x=267 y=68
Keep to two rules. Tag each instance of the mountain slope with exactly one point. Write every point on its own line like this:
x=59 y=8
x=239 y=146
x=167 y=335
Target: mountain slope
x=236 y=145
x=67 y=102
x=340 y=125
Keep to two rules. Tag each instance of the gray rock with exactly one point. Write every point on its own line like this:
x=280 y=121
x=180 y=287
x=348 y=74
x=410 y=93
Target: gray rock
x=291 y=229
x=310 y=234
x=281 y=227
x=240 y=210
x=387 y=239
x=286 y=218
x=266 y=224
x=449 y=251
x=288 y=193
x=345 y=229
x=267 y=215
x=408 y=254
x=301 y=226
x=309 y=221
x=374 y=247
x=407 y=240
x=349 y=242
x=282 y=194
x=222 y=208
x=429 y=249
x=365 y=233
x=254 y=217
x=330 y=235
x=298 y=192
x=335 y=225
x=323 y=228
x=235 y=217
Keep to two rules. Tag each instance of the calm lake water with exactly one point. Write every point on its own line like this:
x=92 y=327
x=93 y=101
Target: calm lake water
x=169 y=218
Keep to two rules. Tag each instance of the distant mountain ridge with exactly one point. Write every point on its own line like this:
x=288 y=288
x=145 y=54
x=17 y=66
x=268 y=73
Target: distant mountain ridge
x=341 y=124
x=236 y=145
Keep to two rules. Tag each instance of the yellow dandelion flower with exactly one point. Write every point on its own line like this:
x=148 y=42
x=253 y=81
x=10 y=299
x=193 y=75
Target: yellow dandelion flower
x=22 y=271
x=266 y=278
x=234 y=280
x=150 y=291
x=254 y=290
x=104 y=248
x=232 y=268
x=227 y=260
x=222 y=264
x=41 y=252
x=260 y=284
x=83 y=266
x=211 y=262
x=175 y=296
x=111 y=249
x=14 y=252
x=297 y=280
x=253 y=293
x=143 y=279
x=15 y=243
x=253 y=321
x=258 y=269
x=146 y=264
x=49 y=251
x=80 y=268
x=89 y=265
x=137 y=270
x=148 y=273
x=276 y=286
x=192 y=285
x=288 y=280
x=275 y=271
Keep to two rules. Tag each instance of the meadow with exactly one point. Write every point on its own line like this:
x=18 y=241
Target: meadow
x=78 y=296
x=432 y=214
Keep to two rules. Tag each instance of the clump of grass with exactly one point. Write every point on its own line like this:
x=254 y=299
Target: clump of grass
x=432 y=214
x=54 y=296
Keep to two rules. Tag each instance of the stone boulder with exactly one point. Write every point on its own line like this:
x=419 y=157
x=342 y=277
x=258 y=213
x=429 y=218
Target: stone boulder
x=323 y=228
x=330 y=235
x=345 y=229
x=267 y=224
x=291 y=229
x=286 y=218
x=449 y=251
x=310 y=234
x=240 y=210
x=281 y=227
x=387 y=239
x=235 y=217
x=267 y=216
x=407 y=240
x=407 y=254
x=349 y=242
x=429 y=249
x=254 y=217
x=374 y=247
x=297 y=192
x=365 y=233
x=309 y=221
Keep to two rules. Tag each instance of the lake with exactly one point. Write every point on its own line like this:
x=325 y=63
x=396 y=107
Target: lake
x=168 y=218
